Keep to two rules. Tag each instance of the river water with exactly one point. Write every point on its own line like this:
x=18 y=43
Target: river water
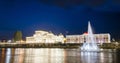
x=56 y=55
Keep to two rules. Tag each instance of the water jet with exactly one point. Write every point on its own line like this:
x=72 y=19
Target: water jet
x=90 y=44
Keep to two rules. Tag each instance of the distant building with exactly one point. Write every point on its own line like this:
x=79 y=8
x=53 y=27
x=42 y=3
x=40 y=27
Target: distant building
x=44 y=37
x=100 y=38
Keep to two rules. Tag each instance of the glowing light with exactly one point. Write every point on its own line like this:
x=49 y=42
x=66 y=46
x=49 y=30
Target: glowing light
x=86 y=33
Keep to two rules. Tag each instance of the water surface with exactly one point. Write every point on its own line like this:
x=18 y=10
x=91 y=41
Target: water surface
x=56 y=55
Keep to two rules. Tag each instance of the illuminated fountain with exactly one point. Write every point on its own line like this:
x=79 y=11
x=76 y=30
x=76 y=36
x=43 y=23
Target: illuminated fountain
x=90 y=44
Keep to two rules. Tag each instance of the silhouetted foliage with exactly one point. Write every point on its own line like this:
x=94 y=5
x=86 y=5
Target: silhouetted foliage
x=18 y=36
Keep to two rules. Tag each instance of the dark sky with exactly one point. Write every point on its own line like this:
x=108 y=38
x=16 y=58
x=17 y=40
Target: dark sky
x=59 y=16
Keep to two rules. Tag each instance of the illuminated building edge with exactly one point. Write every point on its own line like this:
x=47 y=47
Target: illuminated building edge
x=45 y=37
x=100 y=38
x=48 y=37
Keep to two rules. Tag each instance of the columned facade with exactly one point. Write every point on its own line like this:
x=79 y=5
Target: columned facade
x=99 y=38
x=44 y=37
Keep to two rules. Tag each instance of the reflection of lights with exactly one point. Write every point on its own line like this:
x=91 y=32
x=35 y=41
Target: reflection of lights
x=89 y=57
x=8 y=55
x=44 y=55
x=20 y=55
x=110 y=57
x=106 y=57
x=102 y=57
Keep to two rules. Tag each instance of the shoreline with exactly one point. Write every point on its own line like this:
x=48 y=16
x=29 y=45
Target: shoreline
x=54 y=45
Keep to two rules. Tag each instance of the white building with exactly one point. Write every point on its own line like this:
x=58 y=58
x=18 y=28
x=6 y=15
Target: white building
x=44 y=37
x=100 y=38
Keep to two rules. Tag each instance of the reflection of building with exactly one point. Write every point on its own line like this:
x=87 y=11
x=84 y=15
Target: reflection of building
x=19 y=55
x=46 y=55
x=44 y=37
x=100 y=38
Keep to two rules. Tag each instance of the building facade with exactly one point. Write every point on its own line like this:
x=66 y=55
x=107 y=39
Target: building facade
x=45 y=37
x=99 y=38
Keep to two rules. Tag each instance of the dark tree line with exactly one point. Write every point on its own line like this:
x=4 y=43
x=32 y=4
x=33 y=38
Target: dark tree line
x=17 y=36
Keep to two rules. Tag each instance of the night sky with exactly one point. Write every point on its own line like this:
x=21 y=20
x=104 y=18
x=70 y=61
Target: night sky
x=59 y=16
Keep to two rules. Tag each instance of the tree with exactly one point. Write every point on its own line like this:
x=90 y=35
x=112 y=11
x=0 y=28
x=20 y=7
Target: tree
x=17 y=36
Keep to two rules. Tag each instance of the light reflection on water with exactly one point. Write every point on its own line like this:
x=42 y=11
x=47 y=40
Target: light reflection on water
x=55 y=55
x=44 y=55
x=8 y=55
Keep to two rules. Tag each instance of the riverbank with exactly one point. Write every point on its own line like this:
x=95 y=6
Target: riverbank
x=55 y=45
x=39 y=45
